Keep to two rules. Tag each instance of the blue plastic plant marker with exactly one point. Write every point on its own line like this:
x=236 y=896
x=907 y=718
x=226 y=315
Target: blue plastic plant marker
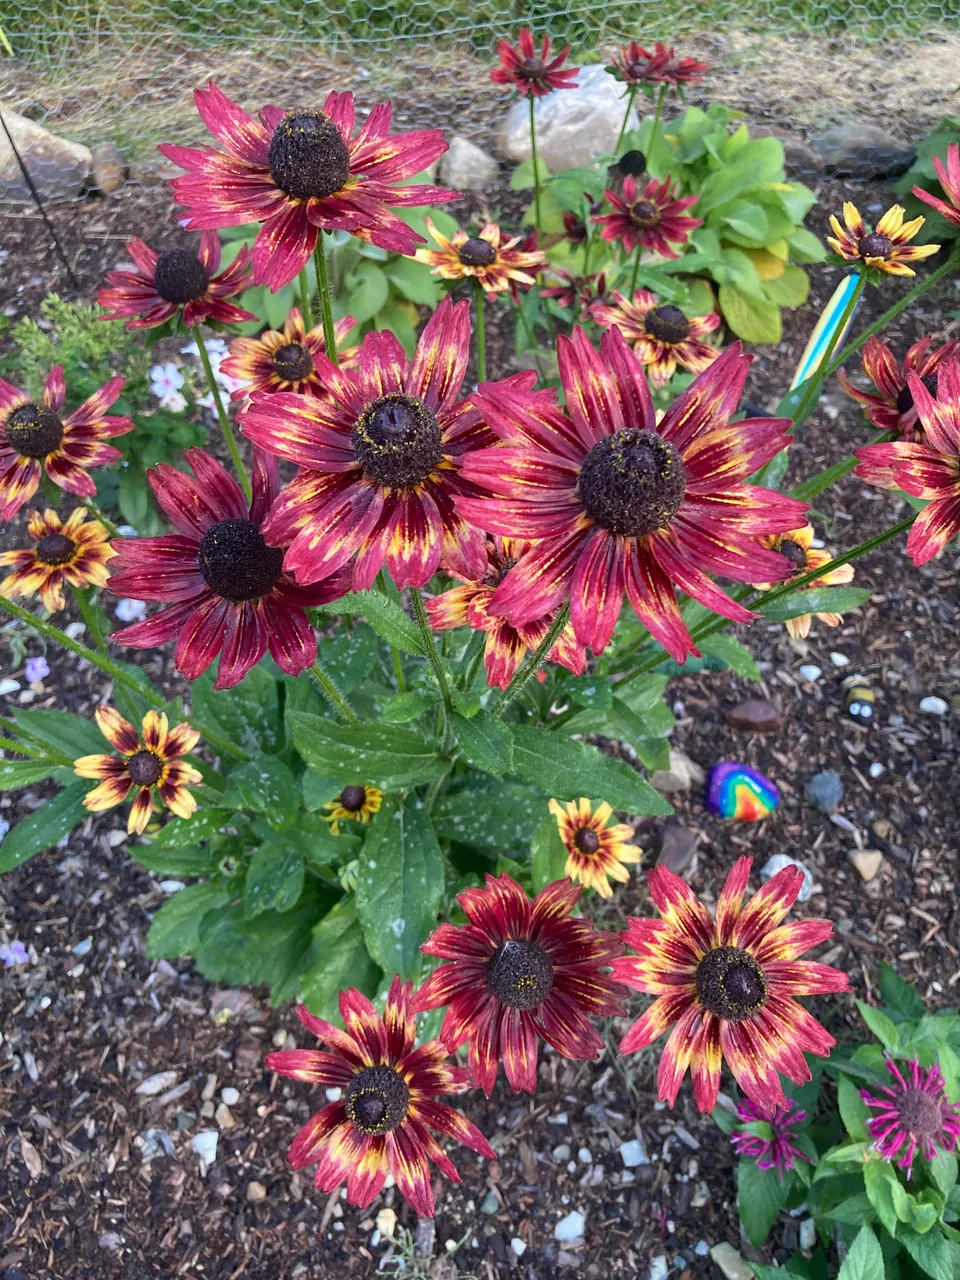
x=826 y=326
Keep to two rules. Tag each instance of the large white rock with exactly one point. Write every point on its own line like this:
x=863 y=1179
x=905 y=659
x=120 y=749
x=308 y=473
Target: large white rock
x=464 y=166
x=58 y=168
x=574 y=126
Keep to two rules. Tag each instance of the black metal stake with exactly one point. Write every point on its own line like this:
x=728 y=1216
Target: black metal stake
x=74 y=282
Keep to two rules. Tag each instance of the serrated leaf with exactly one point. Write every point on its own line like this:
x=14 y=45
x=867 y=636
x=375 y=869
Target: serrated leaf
x=864 y=1261
x=349 y=656
x=385 y=616
x=949 y=1064
x=568 y=769
x=317 y=790
x=898 y=993
x=267 y=786
x=274 y=879
x=485 y=741
x=877 y=1178
x=853 y=1110
x=338 y=959
x=247 y=715
x=273 y=947
x=404 y=707
x=15 y=774
x=588 y=691
x=175 y=929
x=369 y=291
x=415 y=281
x=760 y=1197
x=386 y=756
x=882 y=1027
x=943 y=1172
x=44 y=827
x=815 y=600
x=931 y=1252
x=634 y=729
x=186 y=832
x=790 y=289
x=736 y=655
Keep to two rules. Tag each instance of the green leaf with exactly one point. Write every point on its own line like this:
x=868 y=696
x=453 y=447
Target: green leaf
x=761 y=160
x=815 y=600
x=789 y=290
x=588 y=691
x=404 y=707
x=725 y=1120
x=486 y=742
x=186 y=832
x=805 y=247
x=274 y=879
x=349 y=656
x=175 y=862
x=385 y=616
x=175 y=929
x=265 y=785
x=728 y=649
x=654 y=751
x=415 y=281
x=368 y=292
x=569 y=769
x=68 y=734
x=760 y=1197
x=45 y=826
x=878 y=1177
x=338 y=959
x=864 y=1261
x=548 y=854
x=931 y=1252
x=853 y=1212
x=882 y=1027
x=949 y=1064
x=898 y=994
x=853 y=1110
x=386 y=756
x=400 y=880
x=753 y=319
x=318 y=790
x=15 y=774
x=505 y=818
x=133 y=497
x=273 y=947
x=248 y=715
x=943 y=1172
x=523 y=177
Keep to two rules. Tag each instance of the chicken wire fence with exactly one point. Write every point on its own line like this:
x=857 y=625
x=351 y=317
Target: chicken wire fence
x=123 y=71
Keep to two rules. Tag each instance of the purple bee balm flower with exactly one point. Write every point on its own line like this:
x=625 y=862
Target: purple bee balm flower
x=778 y=1150
x=914 y=1112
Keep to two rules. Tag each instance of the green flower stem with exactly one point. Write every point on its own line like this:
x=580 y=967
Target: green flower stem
x=479 y=300
x=656 y=118
x=111 y=669
x=534 y=347
x=474 y=667
x=536 y=167
x=32 y=753
x=430 y=648
x=89 y=615
x=531 y=666
x=98 y=514
x=816 y=380
x=326 y=300
x=626 y=118
x=398 y=669
x=222 y=415
x=305 y=308
x=333 y=694
x=636 y=268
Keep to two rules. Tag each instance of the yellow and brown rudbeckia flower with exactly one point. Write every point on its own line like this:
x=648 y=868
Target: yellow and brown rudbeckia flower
x=76 y=552
x=148 y=761
x=482 y=257
x=797 y=546
x=887 y=248
x=662 y=337
x=284 y=360
x=356 y=802
x=596 y=853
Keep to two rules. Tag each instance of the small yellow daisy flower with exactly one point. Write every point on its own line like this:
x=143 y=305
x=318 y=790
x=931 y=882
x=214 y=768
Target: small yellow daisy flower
x=886 y=248
x=358 y=803
x=596 y=853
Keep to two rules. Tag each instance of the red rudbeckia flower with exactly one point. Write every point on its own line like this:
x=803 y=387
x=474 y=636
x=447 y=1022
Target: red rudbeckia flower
x=226 y=588
x=284 y=361
x=653 y=216
x=165 y=282
x=662 y=337
x=582 y=291
x=380 y=457
x=930 y=470
x=893 y=408
x=518 y=970
x=949 y=176
x=389 y=1102
x=300 y=172
x=619 y=503
x=34 y=438
x=728 y=985
x=532 y=73
x=635 y=65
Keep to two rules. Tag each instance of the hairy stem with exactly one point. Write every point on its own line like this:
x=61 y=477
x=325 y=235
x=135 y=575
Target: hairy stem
x=333 y=694
x=326 y=300
x=536 y=167
x=430 y=647
x=531 y=665
x=305 y=308
x=224 y=419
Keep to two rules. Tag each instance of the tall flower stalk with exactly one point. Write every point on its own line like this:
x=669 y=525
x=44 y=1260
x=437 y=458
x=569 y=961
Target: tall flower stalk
x=229 y=437
x=326 y=299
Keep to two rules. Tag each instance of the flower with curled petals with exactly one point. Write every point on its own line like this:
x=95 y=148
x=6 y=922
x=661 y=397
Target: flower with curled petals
x=930 y=469
x=226 y=589
x=887 y=249
x=797 y=546
x=284 y=360
x=380 y=457
x=596 y=853
x=892 y=408
x=520 y=969
x=506 y=646
x=949 y=175
x=530 y=72
x=34 y=439
x=634 y=65
x=777 y=1148
x=165 y=282
x=914 y=1114
x=75 y=552
x=727 y=986
x=583 y=291
x=149 y=761
x=652 y=217
x=661 y=336
x=496 y=263
x=301 y=172
x=619 y=503
x=389 y=1101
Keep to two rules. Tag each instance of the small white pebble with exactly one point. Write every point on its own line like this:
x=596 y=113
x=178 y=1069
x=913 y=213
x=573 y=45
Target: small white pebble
x=572 y=1167
x=230 y=1096
x=518 y=1246
x=569 y=1228
x=810 y=672
x=205 y=1145
x=171 y=886
x=632 y=1154
x=334 y=1095
x=934 y=706
x=808 y=1234
x=8 y=686
x=560 y=1118
x=701 y=1249
x=585 y=1155
x=875 y=770
x=74 y=630
x=451 y=1245
x=83 y=947
x=839 y=659
x=658 y=1268
x=562 y=1152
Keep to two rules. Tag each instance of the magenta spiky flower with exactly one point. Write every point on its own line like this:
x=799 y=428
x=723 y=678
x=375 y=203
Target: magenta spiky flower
x=779 y=1151
x=914 y=1113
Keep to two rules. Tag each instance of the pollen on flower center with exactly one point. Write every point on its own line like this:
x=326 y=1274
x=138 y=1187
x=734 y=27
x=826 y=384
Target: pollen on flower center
x=144 y=768
x=632 y=482
x=920 y=1113
x=587 y=841
x=376 y=1100
x=644 y=215
x=308 y=156
x=397 y=440
x=731 y=984
x=293 y=362
x=632 y=163
x=667 y=324
x=34 y=430
x=235 y=561
x=352 y=798
x=793 y=551
x=477 y=252
x=55 y=548
x=875 y=245
x=520 y=974
x=905 y=398
x=179 y=276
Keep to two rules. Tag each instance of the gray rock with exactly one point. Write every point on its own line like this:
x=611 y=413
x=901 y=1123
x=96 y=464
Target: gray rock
x=109 y=167
x=733 y=1266
x=797 y=154
x=778 y=862
x=59 y=168
x=465 y=166
x=682 y=774
x=676 y=846
x=573 y=126
x=861 y=150
x=824 y=791
x=154 y=170
x=934 y=706
x=569 y=1228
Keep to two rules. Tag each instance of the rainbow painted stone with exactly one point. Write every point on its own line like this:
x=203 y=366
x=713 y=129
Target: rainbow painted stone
x=737 y=791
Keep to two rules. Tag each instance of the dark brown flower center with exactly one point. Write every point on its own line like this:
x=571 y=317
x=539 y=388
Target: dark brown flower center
x=397 y=440
x=531 y=68
x=293 y=362
x=905 y=398
x=632 y=482
x=520 y=974
x=637 y=70
x=308 y=156
x=920 y=1113
x=632 y=163
x=875 y=245
x=55 y=548
x=376 y=1100
x=352 y=798
x=235 y=561
x=644 y=214
x=34 y=430
x=587 y=841
x=667 y=324
x=144 y=768
x=794 y=552
x=476 y=252
x=731 y=984
x=179 y=276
